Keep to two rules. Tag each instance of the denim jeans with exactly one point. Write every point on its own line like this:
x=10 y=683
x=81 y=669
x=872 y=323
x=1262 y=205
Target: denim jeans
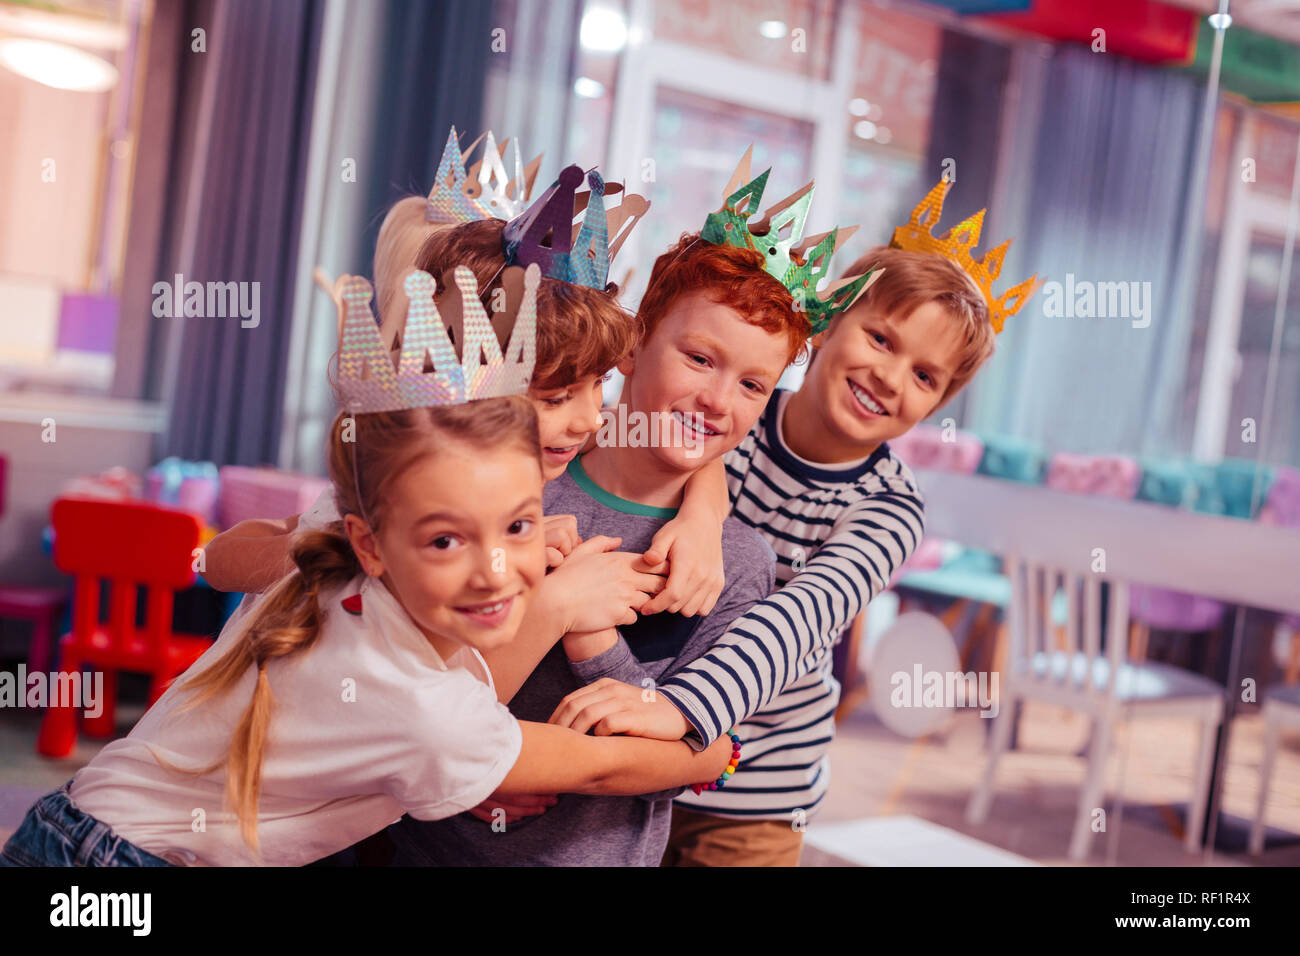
x=55 y=833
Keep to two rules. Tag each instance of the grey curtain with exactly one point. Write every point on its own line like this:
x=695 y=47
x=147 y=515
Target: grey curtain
x=234 y=205
x=970 y=91
x=238 y=175
x=968 y=102
x=434 y=57
x=404 y=73
x=1097 y=189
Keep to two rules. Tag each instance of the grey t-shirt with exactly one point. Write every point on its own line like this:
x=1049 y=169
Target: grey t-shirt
x=598 y=831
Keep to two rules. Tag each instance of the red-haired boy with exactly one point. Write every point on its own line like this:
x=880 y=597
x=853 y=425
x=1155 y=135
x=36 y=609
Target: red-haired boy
x=817 y=478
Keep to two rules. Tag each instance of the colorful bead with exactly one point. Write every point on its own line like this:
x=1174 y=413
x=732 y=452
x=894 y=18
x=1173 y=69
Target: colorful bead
x=728 y=771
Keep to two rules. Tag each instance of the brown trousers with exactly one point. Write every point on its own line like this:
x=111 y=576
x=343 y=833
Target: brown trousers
x=697 y=839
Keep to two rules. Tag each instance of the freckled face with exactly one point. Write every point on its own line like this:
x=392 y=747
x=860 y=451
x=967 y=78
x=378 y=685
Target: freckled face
x=709 y=368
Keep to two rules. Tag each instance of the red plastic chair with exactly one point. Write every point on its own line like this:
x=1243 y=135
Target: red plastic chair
x=130 y=545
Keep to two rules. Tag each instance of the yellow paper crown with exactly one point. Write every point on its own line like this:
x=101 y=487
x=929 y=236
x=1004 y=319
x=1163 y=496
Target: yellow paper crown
x=956 y=244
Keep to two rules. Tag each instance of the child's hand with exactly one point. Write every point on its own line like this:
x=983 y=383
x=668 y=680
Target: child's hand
x=693 y=550
x=516 y=806
x=597 y=587
x=561 y=538
x=609 y=706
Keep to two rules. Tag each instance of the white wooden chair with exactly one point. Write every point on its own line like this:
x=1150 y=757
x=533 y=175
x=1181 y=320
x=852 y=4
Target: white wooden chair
x=1071 y=672
x=1281 y=709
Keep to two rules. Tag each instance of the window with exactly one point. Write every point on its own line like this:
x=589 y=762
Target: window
x=67 y=102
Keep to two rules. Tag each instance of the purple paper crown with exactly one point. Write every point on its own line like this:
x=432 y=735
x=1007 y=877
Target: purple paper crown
x=546 y=235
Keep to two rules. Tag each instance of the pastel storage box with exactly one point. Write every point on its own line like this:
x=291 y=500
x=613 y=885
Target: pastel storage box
x=1012 y=459
x=1228 y=488
x=1112 y=476
x=265 y=493
x=924 y=447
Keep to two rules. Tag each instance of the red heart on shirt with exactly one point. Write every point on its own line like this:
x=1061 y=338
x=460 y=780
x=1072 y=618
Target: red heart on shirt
x=352 y=604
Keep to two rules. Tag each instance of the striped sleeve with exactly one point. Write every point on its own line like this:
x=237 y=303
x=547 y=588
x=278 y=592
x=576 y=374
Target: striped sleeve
x=791 y=632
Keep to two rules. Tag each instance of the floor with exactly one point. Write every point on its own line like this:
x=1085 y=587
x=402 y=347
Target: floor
x=879 y=774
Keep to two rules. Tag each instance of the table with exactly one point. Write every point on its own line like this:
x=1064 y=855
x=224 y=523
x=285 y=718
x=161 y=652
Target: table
x=1238 y=562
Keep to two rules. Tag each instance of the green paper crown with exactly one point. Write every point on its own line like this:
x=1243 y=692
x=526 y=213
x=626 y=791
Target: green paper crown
x=798 y=264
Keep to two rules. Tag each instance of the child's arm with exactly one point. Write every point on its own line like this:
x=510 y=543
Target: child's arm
x=251 y=556
x=558 y=760
x=621 y=692
x=596 y=587
x=776 y=642
x=691 y=543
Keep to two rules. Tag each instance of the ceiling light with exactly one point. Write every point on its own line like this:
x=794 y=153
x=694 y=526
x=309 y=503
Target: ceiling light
x=588 y=88
x=58 y=65
x=773 y=29
x=603 y=30
x=63 y=27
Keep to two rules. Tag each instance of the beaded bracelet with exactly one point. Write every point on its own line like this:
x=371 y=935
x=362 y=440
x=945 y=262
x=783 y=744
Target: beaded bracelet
x=731 y=767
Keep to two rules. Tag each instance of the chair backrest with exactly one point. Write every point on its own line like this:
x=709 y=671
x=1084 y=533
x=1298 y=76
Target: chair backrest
x=131 y=545
x=1041 y=594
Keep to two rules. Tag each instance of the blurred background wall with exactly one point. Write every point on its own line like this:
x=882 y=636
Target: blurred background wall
x=235 y=141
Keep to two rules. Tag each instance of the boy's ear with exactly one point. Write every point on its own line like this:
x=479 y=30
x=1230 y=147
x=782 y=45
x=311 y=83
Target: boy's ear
x=626 y=366
x=364 y=544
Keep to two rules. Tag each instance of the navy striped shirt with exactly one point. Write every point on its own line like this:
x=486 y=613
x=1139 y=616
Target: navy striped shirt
x=839 y=534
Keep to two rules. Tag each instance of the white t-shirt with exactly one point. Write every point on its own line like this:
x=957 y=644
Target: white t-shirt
x=367 y=724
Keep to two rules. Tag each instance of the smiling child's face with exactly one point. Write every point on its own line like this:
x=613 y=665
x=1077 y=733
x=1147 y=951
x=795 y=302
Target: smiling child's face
x=876 y=376
x=566 y=418
x=461 y=546
x=707 y=366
